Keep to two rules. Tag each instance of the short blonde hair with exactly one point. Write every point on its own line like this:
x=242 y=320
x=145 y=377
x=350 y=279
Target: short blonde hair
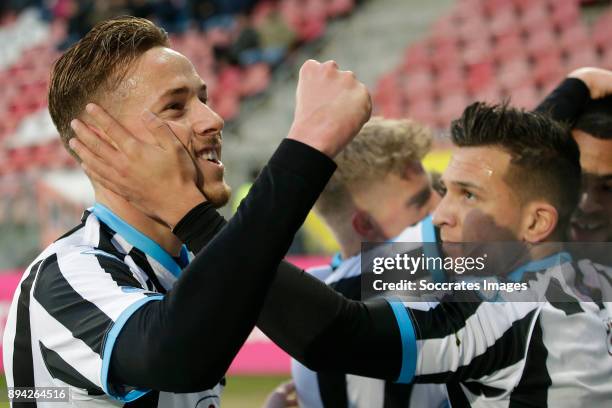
x=382 y=147
x=97 y=63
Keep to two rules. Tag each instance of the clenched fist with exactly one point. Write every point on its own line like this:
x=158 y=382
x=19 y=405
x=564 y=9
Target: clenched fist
x=331 y=107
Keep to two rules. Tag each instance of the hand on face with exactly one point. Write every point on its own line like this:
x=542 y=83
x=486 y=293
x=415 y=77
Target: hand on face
x=159 y=179
x=331 y=107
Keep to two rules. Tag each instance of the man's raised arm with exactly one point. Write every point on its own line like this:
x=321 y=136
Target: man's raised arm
x=186 y=341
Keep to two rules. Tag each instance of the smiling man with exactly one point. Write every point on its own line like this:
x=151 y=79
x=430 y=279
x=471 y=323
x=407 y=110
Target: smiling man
x=117 y=310
x=514 y=176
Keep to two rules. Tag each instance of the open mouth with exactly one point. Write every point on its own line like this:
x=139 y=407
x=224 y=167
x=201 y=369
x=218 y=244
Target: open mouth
x=588 y=226
x=210 y=154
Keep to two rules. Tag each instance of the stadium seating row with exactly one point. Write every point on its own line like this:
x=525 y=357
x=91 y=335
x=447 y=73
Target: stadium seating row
x=491 y=50
x=28 y=49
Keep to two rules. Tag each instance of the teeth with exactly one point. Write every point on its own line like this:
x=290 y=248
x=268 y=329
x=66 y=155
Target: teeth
x=589 y=226
x=210 y=155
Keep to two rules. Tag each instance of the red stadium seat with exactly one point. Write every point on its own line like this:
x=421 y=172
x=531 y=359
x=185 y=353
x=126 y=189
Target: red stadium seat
x=417 y=85
x=513 y=74
x=606 y=59
x=508 y=48
x=477 y=51
x=480 y=76
x=575 y=37
x=444 y=24
x=547 y=68
x=416 y=58
x=524 y=96
x=450 y=108
x=602 y=31
x=491 y=94
x=540 y=42
x=388 y=84
x=470 y=30
x=533 y=16
x=586 y=56
x=522 y=5
x=503 y=21
x=451 y=80
x=422 y=111
x=565 y=14
x=495 y=7
x=468 y=9
x=442 y=58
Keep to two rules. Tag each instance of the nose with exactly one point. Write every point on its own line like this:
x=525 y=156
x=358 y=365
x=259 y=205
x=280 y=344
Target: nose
x=443 y=215
x=207 y=121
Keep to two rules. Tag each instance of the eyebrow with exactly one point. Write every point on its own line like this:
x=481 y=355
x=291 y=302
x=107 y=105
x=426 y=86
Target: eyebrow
x=466 y=184
x=421 y=197
x=180 y=91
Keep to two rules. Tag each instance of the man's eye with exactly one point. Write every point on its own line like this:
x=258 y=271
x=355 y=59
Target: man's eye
x=174 y=106
x=468 y=195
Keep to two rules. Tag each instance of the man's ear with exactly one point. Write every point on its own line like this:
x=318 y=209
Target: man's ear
x=541 y=219
x=364 y=226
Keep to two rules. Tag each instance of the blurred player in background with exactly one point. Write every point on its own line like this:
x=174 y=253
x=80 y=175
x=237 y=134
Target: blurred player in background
x=378 y=193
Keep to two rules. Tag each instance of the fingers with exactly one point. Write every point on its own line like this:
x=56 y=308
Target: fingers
x=313 y=67
x=164 y=136
x=101 y=180
x=93 y=142
x=89 y=159
x=111 y=127
x=331 y=64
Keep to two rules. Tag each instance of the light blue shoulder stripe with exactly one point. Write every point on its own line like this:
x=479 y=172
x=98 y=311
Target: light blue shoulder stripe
x=140 y=240
x=428 y=234
x=409 y=348
x=111 y=338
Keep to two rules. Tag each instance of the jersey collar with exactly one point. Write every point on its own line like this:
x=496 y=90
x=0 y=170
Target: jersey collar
x=540 y=264
x=141 y=241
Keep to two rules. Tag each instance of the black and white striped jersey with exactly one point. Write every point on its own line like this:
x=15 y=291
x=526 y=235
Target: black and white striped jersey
x=322 y=389
x=516 y=352
x=72 y=303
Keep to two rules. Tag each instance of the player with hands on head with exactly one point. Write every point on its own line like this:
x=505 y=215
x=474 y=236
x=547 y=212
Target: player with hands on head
x=584 y=101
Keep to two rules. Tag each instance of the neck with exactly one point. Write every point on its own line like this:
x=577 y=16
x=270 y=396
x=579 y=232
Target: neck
x=349 y=249
x=534 y=253
x=545 y=249
x=347 y=238
x=155 y=230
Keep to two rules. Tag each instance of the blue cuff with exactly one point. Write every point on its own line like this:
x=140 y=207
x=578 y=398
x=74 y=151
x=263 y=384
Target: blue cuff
x=409 y=348
x=111 y=337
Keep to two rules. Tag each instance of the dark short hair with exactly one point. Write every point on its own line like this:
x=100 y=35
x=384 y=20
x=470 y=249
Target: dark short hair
x=596 y=118
x=97 y=63
x=545 y=160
